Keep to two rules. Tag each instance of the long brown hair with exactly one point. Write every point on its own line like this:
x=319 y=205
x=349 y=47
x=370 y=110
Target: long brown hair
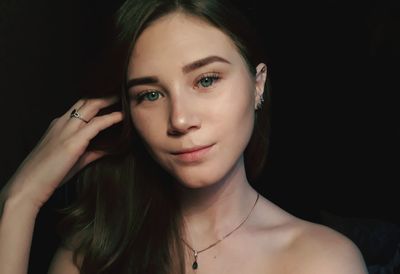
x=126 y=217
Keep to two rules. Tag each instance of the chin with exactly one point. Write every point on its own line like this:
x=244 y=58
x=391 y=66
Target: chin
x=207 y=173
x=195 y=184
x=200 y=178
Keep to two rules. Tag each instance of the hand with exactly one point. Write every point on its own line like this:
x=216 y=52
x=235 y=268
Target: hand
x=62 y=151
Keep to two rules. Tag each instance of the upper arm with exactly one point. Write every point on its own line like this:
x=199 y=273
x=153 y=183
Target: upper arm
x=62 y=262
x=342 y=257
x=324 y=251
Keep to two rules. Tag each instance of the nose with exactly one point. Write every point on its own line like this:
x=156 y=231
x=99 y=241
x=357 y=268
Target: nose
x=183 y=117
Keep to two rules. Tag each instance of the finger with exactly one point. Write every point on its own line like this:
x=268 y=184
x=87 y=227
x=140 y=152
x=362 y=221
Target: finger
x=77 y=105
x=98 y=124
x=89 y=132
x=92 y=106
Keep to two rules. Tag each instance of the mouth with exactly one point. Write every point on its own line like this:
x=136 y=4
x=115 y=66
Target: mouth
x=194 y=154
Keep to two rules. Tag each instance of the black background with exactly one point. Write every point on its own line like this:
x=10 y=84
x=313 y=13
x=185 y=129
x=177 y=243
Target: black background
x=335 y=117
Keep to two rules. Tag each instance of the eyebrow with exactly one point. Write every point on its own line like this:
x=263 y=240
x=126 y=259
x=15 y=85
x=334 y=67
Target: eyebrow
x=203 y=62
x=185 y=69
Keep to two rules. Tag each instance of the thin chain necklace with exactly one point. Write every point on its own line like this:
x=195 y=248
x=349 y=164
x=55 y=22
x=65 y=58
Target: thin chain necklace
x=195 y=264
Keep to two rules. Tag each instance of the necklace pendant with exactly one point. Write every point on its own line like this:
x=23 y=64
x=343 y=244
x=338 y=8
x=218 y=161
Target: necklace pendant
x=195 y=265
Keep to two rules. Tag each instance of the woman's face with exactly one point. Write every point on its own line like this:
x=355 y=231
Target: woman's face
x=190 y=87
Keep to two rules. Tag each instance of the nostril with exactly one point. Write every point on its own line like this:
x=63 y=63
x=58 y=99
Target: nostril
x=183 y=125
x=182 y=130
x=175 y=132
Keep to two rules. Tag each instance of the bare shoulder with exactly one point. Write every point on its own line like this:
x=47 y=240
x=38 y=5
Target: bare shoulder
x=62 y=262
x=320 y=249
x=303 y=247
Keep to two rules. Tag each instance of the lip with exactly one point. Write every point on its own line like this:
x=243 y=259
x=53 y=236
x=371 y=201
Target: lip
x=193 y=154
x=189 y=150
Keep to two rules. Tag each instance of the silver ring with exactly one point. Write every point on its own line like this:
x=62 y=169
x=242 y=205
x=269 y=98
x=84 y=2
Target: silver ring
x=76 y=114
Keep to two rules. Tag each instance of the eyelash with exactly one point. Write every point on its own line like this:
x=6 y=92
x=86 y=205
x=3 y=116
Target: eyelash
x=214 y=76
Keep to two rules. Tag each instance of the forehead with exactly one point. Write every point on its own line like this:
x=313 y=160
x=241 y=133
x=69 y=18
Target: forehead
x=178 y=39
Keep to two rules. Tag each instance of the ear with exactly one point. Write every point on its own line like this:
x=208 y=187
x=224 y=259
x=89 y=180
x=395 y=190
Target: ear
x=261 y=78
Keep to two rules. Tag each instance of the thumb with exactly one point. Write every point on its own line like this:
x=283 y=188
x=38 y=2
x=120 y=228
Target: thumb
x=84 y=160
x=88 y=157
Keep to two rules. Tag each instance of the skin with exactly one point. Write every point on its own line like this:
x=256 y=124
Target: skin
x=187 y=112
x=215 y=193
x=59 y=154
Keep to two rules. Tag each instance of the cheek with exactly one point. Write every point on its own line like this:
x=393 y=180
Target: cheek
x=235 y=108
x=239 y=116
x=148 y=125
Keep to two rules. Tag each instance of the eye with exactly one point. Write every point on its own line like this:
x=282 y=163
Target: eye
x=152 y=95
x=208 y=80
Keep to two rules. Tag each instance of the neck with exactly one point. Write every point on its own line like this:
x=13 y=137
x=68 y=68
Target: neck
x=211 y=212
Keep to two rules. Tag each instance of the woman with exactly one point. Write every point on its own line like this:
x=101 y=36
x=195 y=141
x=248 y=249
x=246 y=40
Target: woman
x=172 y=195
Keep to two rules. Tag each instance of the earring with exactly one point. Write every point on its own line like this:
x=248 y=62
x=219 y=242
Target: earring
x=261 y=102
